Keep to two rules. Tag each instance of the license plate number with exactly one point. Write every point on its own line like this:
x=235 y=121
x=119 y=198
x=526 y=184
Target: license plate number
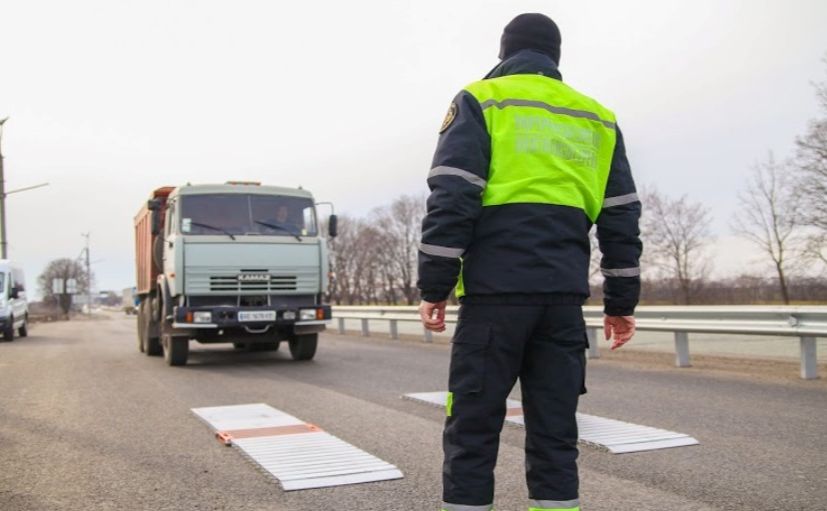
x=257 y=315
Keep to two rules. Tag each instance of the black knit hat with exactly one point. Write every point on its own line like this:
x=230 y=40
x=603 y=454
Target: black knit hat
x=531 y=31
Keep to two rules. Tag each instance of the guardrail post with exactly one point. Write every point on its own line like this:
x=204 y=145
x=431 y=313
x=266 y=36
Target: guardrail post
x=682 y=349
x=365 y=329
x=594 y=349
x=342 y=326
x=394 y=329
x=429 y=336
x=809 y=362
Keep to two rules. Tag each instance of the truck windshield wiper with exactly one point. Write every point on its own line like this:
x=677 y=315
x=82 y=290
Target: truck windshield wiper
x=279 y=227
x=214 y=228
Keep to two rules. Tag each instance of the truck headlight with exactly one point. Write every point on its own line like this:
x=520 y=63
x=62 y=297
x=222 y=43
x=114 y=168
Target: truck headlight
x=202 y=317
x=307 y=314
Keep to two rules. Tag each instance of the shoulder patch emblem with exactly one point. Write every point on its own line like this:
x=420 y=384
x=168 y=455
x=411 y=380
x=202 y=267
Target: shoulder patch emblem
x=449 y=117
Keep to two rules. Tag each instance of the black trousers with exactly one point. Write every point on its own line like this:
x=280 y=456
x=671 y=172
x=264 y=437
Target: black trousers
x=542 y=345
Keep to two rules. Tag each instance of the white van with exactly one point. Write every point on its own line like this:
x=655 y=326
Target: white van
x=14 y=311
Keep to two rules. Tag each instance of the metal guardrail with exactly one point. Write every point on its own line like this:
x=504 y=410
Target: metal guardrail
x=805 y=323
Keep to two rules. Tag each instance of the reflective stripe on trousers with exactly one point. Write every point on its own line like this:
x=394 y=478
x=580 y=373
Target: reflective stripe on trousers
x=461 y=507
x=555 y=505
x=536 y=505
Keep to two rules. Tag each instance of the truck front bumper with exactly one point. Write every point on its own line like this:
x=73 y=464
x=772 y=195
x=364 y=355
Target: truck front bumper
x=251 y=319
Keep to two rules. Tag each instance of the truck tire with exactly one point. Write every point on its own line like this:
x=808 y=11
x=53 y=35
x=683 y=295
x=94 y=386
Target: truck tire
x=8 y=331
x=176 y=350
x=152 y=345
x=153 y=348
x=140 y=323
x=303 y=347
x=23 y=331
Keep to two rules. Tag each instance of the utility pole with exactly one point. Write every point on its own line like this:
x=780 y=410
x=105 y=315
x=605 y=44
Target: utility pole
x=4 y=194
x=3 y=252
x=88 y=274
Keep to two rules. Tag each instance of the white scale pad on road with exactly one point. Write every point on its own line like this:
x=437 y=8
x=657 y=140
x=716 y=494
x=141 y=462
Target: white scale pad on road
x=298 y=454
x=617 y=436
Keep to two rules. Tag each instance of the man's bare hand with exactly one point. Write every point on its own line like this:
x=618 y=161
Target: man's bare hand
x=619 y=328
x=433 y=315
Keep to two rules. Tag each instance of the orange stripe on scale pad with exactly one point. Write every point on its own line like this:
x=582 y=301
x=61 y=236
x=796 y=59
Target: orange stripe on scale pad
x=226 y=437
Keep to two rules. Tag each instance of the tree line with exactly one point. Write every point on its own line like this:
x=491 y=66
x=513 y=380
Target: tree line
x=781 y=213
x=373 y=259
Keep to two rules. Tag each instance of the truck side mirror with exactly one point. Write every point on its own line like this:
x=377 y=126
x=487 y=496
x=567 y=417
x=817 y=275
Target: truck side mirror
x=14 y=293
x=332 y=226
x=155 y=218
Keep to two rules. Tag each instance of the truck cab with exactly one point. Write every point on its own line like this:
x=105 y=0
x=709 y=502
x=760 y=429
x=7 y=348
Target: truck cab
x=238 y=262
x=14 y=309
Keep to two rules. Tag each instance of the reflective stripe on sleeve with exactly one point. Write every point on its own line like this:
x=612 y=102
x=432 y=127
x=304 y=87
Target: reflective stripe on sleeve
x=620 y=272
x=549 y=108
x=620 y=200
x=436 y=250
x=453 y=171
x=461 y=507
x=555 y=505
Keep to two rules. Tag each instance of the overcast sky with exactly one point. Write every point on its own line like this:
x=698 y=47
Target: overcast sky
x=110 y=99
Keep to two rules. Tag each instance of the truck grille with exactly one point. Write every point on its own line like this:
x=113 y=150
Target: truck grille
x=273 y=283
x=261 y=280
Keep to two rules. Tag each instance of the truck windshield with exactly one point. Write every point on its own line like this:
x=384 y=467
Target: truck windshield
x=245 y=214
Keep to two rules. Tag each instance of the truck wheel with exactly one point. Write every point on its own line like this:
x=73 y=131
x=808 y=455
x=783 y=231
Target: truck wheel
x=152 y=345
x=176 y=350
x=8 y=331
x=140 y=323
x=303 y=347
x=23 y=331
x=265 y=346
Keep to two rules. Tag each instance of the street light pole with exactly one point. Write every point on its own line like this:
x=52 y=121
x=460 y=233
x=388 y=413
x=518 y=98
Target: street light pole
x=3 y=194
x=88 y=274
x=3 y=252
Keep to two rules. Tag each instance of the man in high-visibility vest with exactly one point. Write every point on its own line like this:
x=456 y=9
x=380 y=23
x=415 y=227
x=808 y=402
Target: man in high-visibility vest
x=524 y=167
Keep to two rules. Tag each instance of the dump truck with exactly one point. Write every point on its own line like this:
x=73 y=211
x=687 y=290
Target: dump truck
x=238 y=263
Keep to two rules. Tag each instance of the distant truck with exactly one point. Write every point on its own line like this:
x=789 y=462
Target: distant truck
x=14 y=309
x=235 y=262
x=129 y=300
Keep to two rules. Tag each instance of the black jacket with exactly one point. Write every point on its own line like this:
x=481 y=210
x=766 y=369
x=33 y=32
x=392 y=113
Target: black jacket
x=521 y=253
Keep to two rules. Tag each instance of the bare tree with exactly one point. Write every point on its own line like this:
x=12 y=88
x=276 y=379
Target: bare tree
x=355 y=263
x=63 y=269
x=816 y=247
x=768 y=216
x=676 y=233
x=400 y=225
x=811 y=160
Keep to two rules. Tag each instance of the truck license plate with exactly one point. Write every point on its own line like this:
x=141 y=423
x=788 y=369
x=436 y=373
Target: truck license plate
x=257 y=315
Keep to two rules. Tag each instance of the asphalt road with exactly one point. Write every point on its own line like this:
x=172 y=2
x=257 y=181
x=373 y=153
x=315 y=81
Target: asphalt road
x=87 y=422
